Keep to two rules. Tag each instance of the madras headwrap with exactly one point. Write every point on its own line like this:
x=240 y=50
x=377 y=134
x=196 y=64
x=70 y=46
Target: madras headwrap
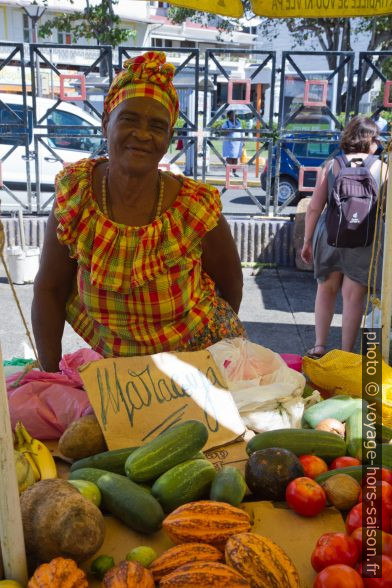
x=146 y=75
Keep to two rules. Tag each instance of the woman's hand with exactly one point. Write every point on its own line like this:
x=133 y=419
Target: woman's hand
x=307 y=253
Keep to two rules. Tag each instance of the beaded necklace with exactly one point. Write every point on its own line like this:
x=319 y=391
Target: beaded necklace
x=107 y=209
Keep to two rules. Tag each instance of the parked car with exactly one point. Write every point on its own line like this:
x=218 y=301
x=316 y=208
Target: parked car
x=308 y=154
x=66 y=146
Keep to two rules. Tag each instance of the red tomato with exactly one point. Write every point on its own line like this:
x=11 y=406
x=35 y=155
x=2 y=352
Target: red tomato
x=369 y=494
x=354 y=518
x=313 y=465
x=306 y=497
x=386 y=580
x=386 y=475
x=386 y=539
x=344 y=462
x=334 y=548
x=337 y=576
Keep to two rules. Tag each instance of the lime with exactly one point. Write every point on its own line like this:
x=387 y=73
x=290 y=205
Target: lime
x=88 y=489
x=101 y=565
x=143 y=554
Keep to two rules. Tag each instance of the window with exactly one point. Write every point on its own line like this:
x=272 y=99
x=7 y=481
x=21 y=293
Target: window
x=10 y=136
x=64 y=38
x=84 y=143
x=188 y=44
x=157 y=42
x=27 y=30
x=299 y=149
x=318 y=150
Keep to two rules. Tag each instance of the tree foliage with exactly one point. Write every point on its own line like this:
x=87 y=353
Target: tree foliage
x=98 y=22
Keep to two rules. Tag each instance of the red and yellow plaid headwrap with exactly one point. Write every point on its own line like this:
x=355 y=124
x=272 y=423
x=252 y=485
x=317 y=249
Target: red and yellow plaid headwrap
x=146 y=75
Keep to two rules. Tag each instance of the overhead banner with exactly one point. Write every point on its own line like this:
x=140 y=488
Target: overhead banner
x=321 y=8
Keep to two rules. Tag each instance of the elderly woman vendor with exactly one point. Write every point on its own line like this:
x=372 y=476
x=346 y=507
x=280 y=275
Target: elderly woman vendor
x=137 y=261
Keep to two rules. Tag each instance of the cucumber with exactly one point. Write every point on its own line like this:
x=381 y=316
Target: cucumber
x=386 y=449
x=111 y=461
x=384 y=434
x=353 y=471
x=134 y=506
x=354 y=434
x=228 y=486
x=326 y=445
x=88 y=474
x=170 y=448
x=337 y=407
x=186 y=482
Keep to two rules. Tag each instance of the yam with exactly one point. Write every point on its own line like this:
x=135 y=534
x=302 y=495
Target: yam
x=59 y=522
x=82 y=438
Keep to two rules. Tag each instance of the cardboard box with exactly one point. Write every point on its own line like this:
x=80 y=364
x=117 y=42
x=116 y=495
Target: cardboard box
x=233 y=454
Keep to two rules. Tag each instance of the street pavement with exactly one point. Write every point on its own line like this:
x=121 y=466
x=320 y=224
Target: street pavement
x=277 y=311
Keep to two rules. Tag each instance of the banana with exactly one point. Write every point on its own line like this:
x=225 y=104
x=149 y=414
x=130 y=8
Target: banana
x=39 y=453
x=22 y=447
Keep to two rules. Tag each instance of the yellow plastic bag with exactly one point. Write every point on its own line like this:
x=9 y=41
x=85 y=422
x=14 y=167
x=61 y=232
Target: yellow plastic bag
x=340 y=372
x=244 y=156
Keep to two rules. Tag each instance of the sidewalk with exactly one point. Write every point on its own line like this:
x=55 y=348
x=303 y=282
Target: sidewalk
x=277 y=311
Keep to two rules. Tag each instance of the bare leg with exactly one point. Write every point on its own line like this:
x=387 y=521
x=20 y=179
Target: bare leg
x=354 y=295
x=325 y=307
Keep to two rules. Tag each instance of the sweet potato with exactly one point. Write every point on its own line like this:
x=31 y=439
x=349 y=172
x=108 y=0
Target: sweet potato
x=82 y=438
x=59 y=522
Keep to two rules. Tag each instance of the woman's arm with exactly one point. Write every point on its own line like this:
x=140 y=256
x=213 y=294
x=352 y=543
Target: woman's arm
x=221 y=261
x=52 y=287
x=313 y=212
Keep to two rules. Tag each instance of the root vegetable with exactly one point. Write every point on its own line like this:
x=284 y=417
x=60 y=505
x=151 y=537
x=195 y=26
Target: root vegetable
x=59 y=522
x=342 y=491
x=332 y=426
x=82 y=438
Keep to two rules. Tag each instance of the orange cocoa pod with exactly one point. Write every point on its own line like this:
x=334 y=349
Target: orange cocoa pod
x=204 y=573
x=261 y=561
x=128 y=574
x=206 y=521
x=58 y=573
x=180 y=555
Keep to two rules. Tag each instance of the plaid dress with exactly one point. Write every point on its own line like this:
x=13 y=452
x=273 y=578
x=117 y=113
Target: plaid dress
x=141 y=290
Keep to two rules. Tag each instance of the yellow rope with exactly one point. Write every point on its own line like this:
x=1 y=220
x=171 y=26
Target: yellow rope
x=2 y=243
x=377 y=243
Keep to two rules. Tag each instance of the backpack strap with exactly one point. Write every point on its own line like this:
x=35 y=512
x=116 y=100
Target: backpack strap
x=342 y=161
x=368 y=162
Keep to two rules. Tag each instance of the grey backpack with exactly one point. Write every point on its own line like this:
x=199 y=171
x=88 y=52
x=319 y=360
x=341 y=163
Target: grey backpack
x=352 y=205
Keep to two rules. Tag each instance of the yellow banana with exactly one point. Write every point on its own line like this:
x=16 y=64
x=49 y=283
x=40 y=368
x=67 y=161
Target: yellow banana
x=24 y=448
x=40 y=454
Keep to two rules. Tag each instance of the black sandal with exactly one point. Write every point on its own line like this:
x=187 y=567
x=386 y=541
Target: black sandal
x=313 y=354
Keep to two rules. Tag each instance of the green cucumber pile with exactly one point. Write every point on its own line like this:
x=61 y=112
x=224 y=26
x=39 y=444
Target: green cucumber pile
x=139 y=485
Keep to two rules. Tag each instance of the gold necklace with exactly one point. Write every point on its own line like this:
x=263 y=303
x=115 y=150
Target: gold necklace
x=106 y=204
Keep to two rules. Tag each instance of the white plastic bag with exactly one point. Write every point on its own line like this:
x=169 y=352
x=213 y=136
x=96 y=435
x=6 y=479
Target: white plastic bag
x=268 y=394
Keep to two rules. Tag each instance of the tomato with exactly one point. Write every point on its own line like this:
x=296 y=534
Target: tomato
x=386 y=475
x=313 y=465
x=386 y=581
x=354 y=518
x=386 y=539
x=337 y=576
x=344 y=462
x=369 y=494
x=334 y=548
x=306 y=497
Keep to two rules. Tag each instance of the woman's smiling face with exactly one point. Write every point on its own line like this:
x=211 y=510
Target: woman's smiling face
x=138 y=131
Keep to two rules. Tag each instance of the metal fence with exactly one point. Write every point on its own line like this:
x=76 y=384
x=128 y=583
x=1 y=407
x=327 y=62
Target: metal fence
x=289 y=116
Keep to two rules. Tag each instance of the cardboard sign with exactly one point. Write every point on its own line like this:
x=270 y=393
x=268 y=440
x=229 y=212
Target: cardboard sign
x=137 y=398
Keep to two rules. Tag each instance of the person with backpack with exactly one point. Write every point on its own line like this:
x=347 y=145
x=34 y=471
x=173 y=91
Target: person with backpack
x=339 y=231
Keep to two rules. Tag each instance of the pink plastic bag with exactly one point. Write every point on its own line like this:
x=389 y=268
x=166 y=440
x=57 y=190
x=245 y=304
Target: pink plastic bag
x=47 y=403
